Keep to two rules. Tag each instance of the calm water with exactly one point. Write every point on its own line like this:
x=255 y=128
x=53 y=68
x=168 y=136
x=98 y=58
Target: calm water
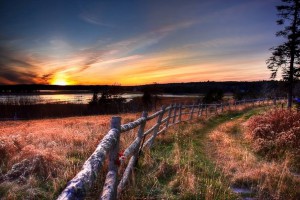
x=83 y=98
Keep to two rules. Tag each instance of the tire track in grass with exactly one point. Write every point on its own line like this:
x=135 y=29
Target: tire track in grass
x=178 y=167
x=249 y=175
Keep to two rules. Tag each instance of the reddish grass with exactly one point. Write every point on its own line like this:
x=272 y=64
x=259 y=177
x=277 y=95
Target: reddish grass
x=38 y=157
x=276 y=134
x=235 y=157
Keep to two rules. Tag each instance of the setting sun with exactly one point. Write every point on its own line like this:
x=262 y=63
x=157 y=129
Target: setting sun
x=59 y=81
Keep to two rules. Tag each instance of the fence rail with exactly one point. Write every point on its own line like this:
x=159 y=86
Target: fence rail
x=108 y=148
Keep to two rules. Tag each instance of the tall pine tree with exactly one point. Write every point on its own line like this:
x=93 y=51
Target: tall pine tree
x=286 y=55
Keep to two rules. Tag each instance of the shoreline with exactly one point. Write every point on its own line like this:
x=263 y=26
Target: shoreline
x=59 y=110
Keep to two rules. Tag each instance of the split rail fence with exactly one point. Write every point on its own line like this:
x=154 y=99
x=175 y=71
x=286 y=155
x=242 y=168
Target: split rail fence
x=108 y=148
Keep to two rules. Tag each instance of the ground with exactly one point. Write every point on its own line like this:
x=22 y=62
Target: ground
x=212 y=159
x=207 y=158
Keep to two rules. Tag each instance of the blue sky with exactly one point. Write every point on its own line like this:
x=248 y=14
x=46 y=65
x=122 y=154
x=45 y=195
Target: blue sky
x=135 y=42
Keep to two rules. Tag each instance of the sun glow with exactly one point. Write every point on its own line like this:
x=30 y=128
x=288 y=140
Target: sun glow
x=59 y=81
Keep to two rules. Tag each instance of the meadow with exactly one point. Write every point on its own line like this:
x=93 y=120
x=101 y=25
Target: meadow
x=217 y=158
x=38 y=157
x=210 y=158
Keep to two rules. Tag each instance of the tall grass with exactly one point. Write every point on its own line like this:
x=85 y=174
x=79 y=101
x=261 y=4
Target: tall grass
x=236 y=156
x=38 y=157
x=177 y=167
x=276 y=135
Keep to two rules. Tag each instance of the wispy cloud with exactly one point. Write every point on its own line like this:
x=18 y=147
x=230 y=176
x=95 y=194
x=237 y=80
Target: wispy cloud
x=14 y=68
x=93 y=19
x=176 y=26
x=61 y=57
x=122 y=59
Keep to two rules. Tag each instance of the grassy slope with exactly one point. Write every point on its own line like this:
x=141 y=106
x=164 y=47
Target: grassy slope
x=203 y=160
x=234 y=155
x=178 y=166
x=61 y=147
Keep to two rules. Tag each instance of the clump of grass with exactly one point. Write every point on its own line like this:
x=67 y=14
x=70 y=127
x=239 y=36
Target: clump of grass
x=276 y=134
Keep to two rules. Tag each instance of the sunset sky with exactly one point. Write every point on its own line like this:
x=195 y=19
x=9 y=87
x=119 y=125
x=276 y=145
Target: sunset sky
x=131 y=42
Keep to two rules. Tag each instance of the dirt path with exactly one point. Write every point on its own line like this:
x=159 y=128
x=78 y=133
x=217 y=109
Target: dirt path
x=177 y=167
x=249 y=175
x=210 y=159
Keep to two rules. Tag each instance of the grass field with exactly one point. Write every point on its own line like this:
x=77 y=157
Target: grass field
x=48 y=153
x=212 y=158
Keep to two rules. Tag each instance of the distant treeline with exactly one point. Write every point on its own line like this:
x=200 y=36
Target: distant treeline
x=106 y=99
x=172 y=88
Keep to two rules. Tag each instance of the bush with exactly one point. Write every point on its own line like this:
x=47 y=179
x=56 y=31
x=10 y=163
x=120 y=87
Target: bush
x=213 y=95
x=276 y=133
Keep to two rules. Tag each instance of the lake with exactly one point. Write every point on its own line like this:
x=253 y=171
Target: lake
x=77 y=98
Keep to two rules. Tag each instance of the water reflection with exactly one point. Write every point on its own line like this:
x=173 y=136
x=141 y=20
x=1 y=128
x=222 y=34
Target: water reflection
x=82 y=98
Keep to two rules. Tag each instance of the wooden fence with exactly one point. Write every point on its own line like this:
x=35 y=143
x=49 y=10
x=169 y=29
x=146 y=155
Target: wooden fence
x=108 y=148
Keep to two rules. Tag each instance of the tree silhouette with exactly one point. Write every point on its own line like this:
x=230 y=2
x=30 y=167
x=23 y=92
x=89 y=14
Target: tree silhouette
x=213 y=95
x=287 y=54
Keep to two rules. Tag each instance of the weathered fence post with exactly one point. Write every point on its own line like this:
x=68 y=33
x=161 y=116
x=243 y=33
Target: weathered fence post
x=175 y=112
x=155 y=131
x=141 y=133
x=134 y=159
x=199 y=110
x=169 y=116
x=192 y=111
x=110 y=185
x=180 y=112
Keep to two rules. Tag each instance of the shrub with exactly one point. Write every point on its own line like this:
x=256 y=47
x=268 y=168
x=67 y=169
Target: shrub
x=276 y=133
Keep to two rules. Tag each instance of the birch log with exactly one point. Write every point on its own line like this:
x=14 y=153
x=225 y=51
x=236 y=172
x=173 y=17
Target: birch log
x=134 y=158
x=110 y=186
x=192 y=111
x=169 y=116
x=180 y=112
x=199 y=110
x=78 y=187
x=175 y=110
x=150 y=141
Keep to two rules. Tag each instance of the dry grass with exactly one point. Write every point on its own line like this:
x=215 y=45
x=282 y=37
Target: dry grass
x=235 y=157
x=38 y=157
x=275 y=134
x=176 y=168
